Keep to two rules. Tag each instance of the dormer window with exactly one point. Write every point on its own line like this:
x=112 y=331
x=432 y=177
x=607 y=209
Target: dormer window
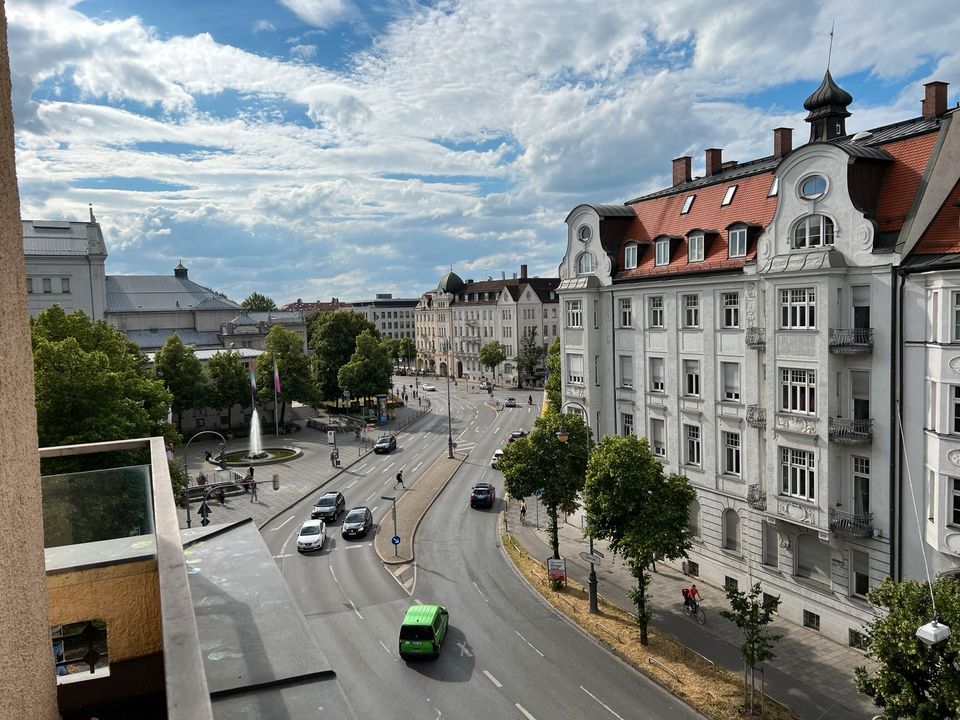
x=662 y=255
x=585 y=264
x=813 y=187
x=813 y=231
x=630 y=256
x=695 y=248
x=737 y=242
x=728 y=197
x=687 y=204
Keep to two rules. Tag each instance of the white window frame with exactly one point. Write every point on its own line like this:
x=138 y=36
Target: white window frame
x=955 y=427
x=630 y=254
x=657 y=371
x=586 y=263
x=737 y=242
x=728 y=195
x=774 y=188
x=655 y=304
x=954 y=518
x=626 y=371
x=798 y=308
x=658 y=437
x=575 y=368
x=574 y=313
x=695 y=247
x=730 y=378
x=731 y=453
x=798 y=476
x=626 y=312
x=626 y=424
x=859 y=566
x=692 y=445
x=730 y=304
x=691 y=378
x=687 y=204
x=691 y=311
x=956 y=315
x=798 y=391
x=662 y=252
x=804 y=237
x=860 y=468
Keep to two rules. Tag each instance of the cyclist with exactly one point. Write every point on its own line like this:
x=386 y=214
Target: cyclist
x=523 y=512
x=691 y=597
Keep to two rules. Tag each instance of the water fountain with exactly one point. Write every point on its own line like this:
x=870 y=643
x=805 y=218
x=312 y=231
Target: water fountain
x=256 y=453
x=256 y=442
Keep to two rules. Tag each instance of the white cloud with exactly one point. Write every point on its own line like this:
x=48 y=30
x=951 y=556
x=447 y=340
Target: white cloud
x=263 y=26
x=304 y=52
x=319 y=13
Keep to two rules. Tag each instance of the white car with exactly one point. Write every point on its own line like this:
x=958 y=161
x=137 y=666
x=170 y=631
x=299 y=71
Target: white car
x=428 y=387
x=311 y=536
x=495 y=461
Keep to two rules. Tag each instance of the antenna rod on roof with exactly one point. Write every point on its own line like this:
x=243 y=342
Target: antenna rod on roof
x=830 y=50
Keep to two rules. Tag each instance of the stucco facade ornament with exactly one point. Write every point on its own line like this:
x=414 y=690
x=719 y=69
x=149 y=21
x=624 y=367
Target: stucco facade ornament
x=797 y=512
x=954 y=364
x=764 y=249
x=952 y=541
x=750 y=292
x=792 y=423
x=954 y=457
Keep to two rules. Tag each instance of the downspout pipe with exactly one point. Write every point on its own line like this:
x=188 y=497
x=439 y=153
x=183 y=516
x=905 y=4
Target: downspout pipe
x=895 y=469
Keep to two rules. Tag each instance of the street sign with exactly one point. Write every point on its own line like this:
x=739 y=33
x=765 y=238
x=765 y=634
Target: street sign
x=597 y=552
x=587 y=557
x=395 y=539
x=557 y=569
x=538 y=493
x=331 y=437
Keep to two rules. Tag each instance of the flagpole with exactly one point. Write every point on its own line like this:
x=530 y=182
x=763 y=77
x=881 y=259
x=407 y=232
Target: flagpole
x=276 y=391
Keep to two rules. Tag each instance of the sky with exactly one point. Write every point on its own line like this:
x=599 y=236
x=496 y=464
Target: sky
x=338 y=148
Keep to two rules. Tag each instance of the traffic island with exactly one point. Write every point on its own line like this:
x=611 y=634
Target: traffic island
x=713 y=691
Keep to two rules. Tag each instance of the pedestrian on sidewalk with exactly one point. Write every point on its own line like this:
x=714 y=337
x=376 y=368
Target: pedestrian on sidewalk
x=222 y=496
x=253 y=490
x=523 y=511
x=333 y=458
x=399 y=481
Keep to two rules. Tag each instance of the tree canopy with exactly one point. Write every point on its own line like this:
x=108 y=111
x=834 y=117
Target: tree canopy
x=369 y=371
x=554 y=376
x=913 y=680
x=229 y=382
x=259 y=302
x=333 y=340
x=541 y=462
x=293 y=367
x=492 y=354
x=182 y=374
x=751 y=612
x=530 y=355
x=408 y=349
x=641 y=511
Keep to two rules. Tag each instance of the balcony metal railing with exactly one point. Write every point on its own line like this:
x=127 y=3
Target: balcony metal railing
x=756 y=338
x=756 y=498
x=851 y=524
x=757 y=417
x=851 y=432
x=851 y=340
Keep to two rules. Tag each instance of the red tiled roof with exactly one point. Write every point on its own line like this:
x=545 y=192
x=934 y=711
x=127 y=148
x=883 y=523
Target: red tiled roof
x=661 y=216
x=943 y=235
x=315 y=306
x=902 y=179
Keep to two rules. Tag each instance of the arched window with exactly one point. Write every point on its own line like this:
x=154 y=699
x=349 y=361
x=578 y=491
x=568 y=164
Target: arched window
x=813 y=231
x=585 y=264
x=731 y=530
x=693 y=518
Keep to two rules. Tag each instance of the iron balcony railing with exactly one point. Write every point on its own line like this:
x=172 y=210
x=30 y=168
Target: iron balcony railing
x=755 y=338
x=851 y=432
x=757 y=417
x=851 y=524
x=756 y=498
x=851 y=340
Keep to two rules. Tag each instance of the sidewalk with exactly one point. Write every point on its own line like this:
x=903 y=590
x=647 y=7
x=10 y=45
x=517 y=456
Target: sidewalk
x=811 y=675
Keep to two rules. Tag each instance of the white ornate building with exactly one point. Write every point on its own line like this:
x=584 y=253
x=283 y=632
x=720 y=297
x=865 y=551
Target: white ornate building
x=761 y=325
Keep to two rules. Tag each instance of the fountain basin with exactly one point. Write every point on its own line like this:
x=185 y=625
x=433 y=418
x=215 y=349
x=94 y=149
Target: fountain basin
x=266 y=456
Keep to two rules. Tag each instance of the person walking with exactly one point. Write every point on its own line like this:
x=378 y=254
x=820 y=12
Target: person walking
x=333 y=458
x=222 y=496
x=523 y=512
x=399 y=482
x=253 y=490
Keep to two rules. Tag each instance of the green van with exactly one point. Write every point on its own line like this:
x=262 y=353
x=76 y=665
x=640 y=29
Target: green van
x=423 y=630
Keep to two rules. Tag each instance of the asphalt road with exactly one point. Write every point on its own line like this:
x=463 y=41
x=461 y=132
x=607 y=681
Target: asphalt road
x=507 y=654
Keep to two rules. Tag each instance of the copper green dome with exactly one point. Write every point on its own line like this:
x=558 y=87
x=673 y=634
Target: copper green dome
x=450 y=283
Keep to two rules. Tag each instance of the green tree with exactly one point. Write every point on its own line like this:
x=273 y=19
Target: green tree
x=408 y=350
x=642 y=512
x=333 y=340
x=751 y=612
x=541 y=462
x=293 y=367
x=530 y=355
x=392 y=347
x=492 y=354
x=257 y=302
x=369 y=371
x=182 y=374
x=554 y=377
x=913 y=680
x=229 y=382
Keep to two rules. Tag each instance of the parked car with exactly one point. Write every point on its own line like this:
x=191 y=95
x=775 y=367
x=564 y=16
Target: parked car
x=482 y=495
x=357 y=523
x=385 y=444
x=511 y=402
x=311 y=536
x=423 y=630
x=495 y=461
x=329 y=507
x=486 y=386
x=428 y=387
x=516 y=435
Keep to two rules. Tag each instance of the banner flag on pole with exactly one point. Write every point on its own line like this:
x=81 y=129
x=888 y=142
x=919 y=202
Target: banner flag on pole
x=253 y=382
x=169 y=415
x=276 y=378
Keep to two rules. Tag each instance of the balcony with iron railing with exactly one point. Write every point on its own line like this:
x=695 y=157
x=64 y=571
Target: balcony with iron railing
x=756 y=498
x=851 y=340
x=755 y=338
x=757 y=417
x=844 y=524
x=847 y=431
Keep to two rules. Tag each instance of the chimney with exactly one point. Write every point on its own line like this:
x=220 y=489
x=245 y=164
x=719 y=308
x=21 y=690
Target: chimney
x=523 y=272
x=503 y=274
x=681 y=170
x=782 y=141
x=714 y=161
x=934 y=100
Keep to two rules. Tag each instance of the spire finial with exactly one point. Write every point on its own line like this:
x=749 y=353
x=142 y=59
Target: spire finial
x=830 y=50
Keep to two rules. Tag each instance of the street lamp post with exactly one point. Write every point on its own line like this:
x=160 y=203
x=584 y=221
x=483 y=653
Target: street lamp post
x=446 y=349
x=223 y=444
x=563 y=436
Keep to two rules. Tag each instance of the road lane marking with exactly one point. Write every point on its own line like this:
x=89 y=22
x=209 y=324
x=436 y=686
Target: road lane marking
x=284 y=555
x=385 y=648
x=347 y=487
x=529 y=643
x=361 y=617
x=358 y=468
x=522 y=709
x=464 y=650
x=338 y=582
x=491 y=678
x=602 y=704
x=426 y=446
x=283 y=523
x=416 y=467
x=368 y=497
x=390 y=466
x=478 y=588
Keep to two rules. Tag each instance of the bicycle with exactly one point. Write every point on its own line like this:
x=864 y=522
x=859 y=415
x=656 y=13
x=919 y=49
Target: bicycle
x=696 y=611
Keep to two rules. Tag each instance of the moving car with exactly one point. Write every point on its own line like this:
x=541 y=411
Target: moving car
x=329 y=506
x=511 y=402
x=428 y=387
x=495 y=461
x=482 y=495
x=516 y=435
x=311 y=536
x=423 y=630
x=357 y=523
x=385 y=444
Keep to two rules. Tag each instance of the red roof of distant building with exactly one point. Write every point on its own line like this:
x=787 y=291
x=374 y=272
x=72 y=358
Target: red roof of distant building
x=943 y=234
x=902 y=179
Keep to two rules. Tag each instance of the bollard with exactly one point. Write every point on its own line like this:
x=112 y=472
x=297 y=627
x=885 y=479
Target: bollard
x=276 y=481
